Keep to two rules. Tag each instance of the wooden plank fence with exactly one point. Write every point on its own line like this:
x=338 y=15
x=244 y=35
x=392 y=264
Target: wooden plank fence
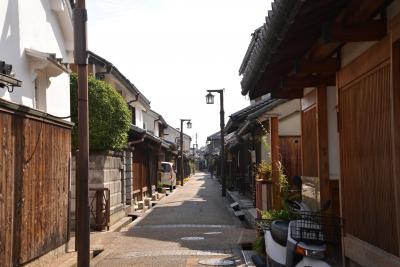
x=34 y=183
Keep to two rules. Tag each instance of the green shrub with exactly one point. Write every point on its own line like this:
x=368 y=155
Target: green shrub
x=259 y=245
x=283 y=214
x=109 y=116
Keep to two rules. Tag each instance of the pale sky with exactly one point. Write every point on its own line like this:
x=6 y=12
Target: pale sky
x=173 y=50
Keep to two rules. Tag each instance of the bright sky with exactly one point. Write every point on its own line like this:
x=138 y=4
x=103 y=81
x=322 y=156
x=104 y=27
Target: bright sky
x=173 y=50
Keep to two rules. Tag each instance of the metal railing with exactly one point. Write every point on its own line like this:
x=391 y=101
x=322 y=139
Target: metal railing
x=100 y=208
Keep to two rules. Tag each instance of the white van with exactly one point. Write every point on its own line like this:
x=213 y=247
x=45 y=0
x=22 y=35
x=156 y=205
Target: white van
x=168 y=175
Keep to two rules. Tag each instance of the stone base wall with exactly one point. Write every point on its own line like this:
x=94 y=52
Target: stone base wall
x=106 y=170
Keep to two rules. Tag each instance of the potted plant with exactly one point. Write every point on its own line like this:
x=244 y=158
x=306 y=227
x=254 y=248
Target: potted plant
x=264 y=171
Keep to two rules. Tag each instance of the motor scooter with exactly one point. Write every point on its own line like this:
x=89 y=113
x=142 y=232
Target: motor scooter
x=302 y=241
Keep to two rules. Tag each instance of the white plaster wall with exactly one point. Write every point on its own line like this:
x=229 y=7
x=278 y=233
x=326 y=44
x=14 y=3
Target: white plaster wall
x=287 y=108
x=33 y=24
x=290 y=125
x=333 y=135
x=265 y=153
x=289 y=117
x=156 y=129
x=139 y=114
x=128 y=96
x=172 y=135
x=56 y=97
x=351 y=51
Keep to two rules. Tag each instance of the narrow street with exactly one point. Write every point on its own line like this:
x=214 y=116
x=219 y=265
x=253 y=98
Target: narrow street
x=192 y=224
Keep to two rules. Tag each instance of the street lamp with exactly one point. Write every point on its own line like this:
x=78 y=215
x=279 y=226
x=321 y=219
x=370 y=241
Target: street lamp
x=210 y=100
x=189 y=126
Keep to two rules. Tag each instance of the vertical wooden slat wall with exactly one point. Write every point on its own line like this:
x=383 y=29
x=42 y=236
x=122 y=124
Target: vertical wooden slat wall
x=7 y=153
x=309 y=142
x=137 y=170
x=290 y=151
x=366 y=159
x=34 y=169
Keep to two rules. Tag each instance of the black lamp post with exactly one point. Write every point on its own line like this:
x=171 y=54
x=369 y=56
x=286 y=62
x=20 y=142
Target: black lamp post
x=189 y=126
x=210 y=100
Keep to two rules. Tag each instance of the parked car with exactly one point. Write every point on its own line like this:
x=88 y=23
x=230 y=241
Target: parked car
x=168 y=175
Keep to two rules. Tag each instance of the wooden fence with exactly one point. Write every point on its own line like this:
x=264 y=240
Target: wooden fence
x=34 y=183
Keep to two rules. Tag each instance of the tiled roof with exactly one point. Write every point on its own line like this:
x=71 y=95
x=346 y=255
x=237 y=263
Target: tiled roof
x=243 y=113
x=291 y=27
x=240 y=116
x=94 y=58
x=266 y=40
x=214 y=136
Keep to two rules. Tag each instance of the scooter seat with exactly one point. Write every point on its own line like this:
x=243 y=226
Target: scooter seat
x=279 y=232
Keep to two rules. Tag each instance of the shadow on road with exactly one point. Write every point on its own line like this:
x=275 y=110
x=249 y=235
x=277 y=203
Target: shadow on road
x=195 y=217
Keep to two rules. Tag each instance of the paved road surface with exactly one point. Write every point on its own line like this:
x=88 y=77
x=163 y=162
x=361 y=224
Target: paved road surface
x=167 y=236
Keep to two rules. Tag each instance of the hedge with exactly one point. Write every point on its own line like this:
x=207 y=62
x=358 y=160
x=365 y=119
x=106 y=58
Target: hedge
x=109 y=116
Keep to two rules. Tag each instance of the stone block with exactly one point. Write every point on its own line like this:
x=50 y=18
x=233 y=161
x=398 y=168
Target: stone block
x=140 y=205
x=73 y=204
x=97 y=176
x=73 y=163
x=73 y=177
x=147 y=202
x=128 y=168
x=112 y=175
x=115 y=199
x=112 y=162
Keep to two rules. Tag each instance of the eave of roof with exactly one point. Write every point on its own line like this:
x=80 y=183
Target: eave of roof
x=177 y=131
x=114 y=70
x=254 y=110
x=290 y=30
x=214 y=136
x=160 y=118
x=243 y=113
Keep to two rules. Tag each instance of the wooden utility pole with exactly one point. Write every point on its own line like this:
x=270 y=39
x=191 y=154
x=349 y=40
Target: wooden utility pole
x=82 y=162
x=276 y=197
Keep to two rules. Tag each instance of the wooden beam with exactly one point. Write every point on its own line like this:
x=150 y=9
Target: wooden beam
x=309 y=81
x=322 y=144
x=366 y=254
x=373 y=30
x=377 y=54
x=365 y=10
x=357 y=12
x=396 y=131
x=276 y=196
x=322 y=50
x=287 y=93
x=330 y=65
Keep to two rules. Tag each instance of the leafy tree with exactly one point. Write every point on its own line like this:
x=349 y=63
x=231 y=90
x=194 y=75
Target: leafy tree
x=109 y=116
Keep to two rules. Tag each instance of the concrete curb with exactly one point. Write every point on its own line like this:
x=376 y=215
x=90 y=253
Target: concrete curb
x=250 y=213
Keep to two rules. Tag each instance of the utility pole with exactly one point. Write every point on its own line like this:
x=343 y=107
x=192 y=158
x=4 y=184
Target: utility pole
x=82 y=161
x=194 y=159
x=197 y=147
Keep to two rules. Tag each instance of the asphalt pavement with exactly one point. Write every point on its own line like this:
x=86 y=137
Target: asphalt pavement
x=191 y=226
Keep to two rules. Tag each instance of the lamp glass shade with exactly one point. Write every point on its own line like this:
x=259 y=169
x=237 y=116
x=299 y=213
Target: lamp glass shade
x=189 y=125
x=210 y=98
